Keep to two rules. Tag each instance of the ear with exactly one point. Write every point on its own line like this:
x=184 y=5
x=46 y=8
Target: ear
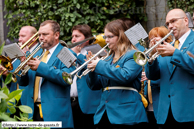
x=57 y=34
x=186 y=21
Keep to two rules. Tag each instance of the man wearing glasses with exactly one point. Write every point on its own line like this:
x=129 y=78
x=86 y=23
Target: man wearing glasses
x=175 y=70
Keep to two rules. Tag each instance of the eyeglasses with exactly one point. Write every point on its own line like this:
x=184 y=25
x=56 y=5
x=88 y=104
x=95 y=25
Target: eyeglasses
x=109 y=36
x=173 y=20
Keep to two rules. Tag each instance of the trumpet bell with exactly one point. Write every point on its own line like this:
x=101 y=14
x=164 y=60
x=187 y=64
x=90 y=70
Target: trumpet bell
x=140 y=58
x=67 y=78
x=100 y=40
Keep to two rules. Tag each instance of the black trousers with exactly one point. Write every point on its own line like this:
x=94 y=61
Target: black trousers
x=171 y=123
x=105 y=124
x=152 y=120
x=81 y=120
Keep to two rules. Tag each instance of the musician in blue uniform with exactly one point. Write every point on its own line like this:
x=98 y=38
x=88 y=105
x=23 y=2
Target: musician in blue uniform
x=153 y=89
x=176 y=73
x=48 y=93
x=84 y=101
x=119 y=78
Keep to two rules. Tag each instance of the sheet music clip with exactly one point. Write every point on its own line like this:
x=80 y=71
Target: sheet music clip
x=67 y=57
x=13 y=51
x=135 y=33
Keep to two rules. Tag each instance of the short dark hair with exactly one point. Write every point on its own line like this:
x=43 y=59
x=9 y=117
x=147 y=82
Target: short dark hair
x=84 y=29
x=54 y=24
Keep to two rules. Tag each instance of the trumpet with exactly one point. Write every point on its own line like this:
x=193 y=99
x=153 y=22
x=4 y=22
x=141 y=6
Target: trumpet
x=23 y=64
x=68 y=77
x=141 y=58
x=27 y=68
x=85 y=72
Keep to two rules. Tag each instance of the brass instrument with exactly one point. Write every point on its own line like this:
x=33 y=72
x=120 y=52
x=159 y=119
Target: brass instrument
x=142 y=83
x=27 y=68
x=23 y=64
x=25 y=44
x=68 y=77
x=6 y=62
x=6 y=65
x=85 y=72
x=97 y=39
x=141 y=58
x=143 y=97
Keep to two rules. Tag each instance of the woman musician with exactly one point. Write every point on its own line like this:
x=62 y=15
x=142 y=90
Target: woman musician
x=119 y=78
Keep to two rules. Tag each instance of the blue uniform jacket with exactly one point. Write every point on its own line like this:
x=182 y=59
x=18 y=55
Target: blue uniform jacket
x=122 y=106
x=55 y=92
x=176 y=83
x=88 y=99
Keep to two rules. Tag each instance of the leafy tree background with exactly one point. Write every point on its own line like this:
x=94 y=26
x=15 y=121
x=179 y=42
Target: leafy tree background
x=186 y=5
x=70 y=12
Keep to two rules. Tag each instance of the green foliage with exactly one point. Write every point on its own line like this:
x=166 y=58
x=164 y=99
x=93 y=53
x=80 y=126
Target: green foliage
x=69 y=13
x=186 y=5
x=9 y=102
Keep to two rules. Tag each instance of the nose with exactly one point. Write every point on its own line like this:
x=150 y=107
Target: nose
x=20 y=39
x=40 y=37
x=73 y=40
x=107 y=40
x=170 y=26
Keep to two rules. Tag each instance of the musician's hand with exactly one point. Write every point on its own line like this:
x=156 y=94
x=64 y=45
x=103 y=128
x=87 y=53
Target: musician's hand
x=33 y=64
x=77 y=49
x=165 y=49
x=22 y=58
x=89 y=55
x=152 y=43
x=92 y=64
x=143 y=77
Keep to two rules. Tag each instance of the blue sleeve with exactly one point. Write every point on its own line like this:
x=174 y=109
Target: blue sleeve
x=153 y=70
x=123 y=75
x=53 y=74
x=93 y=81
